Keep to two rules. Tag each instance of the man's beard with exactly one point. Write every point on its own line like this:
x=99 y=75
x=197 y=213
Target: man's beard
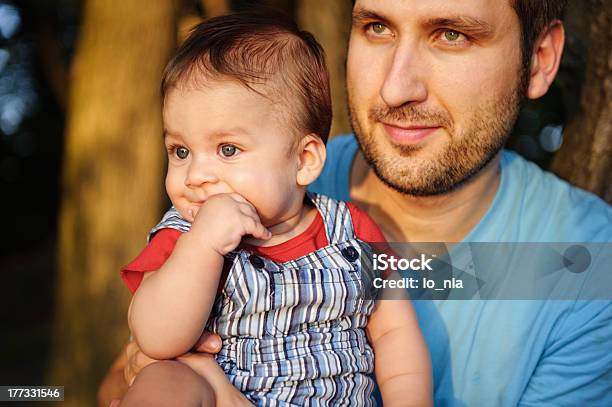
x=460 y=159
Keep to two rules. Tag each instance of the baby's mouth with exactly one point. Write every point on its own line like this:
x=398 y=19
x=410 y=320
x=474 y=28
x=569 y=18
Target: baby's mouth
x=193 y=210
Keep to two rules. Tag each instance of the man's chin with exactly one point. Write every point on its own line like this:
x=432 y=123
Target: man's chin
x=408 y=183
x=423 y=174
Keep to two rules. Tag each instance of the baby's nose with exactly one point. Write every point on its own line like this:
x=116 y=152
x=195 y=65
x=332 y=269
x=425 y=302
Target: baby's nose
x=199 y=174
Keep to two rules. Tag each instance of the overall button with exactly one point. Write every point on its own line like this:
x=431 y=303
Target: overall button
x=256 y=261
x=350 y=253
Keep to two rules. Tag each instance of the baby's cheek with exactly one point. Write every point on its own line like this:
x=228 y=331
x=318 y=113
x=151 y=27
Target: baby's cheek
x=246 y=182
x=171 y=190
x=266 y=186
x=275 y=199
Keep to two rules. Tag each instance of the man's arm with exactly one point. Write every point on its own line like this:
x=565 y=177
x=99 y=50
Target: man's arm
x=401 y=360
x=113 y=385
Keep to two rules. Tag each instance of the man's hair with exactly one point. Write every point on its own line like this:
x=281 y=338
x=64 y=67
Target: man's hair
x=534 y=17
x=266 y=52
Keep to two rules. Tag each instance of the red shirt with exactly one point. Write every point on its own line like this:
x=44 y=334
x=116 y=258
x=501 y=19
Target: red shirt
x=155 y=254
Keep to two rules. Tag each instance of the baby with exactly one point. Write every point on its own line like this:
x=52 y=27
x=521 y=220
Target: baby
x=248 y=254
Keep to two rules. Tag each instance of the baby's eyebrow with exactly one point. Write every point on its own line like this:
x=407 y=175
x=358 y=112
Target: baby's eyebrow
x=169 y=134
x=232 y=131
x=214 y=135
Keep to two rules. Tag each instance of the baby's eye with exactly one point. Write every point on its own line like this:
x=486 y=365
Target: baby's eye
x=181 y=152
x=228 y=150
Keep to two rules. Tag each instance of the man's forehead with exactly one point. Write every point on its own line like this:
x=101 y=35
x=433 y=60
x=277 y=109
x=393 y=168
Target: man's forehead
x=490 y=11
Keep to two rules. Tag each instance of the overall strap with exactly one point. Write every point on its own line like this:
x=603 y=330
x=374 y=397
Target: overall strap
x=171 y=220
x=336 y=218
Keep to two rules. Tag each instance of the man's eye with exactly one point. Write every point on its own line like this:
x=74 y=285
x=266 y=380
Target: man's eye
x=182 y=153
x=378 y=28
x=228 y=150
x=452 y=36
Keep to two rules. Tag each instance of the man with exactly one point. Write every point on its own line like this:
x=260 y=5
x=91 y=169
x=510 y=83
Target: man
x=434 y=89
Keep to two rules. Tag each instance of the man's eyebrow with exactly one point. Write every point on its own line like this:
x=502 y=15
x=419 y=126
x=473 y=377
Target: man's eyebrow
x=469 y=25
x=361 y=15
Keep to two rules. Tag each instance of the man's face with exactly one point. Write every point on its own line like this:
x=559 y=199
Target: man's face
x=434 y=88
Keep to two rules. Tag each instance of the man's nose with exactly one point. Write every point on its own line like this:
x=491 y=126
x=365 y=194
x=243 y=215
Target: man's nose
x=200 y=172
x=404 y=81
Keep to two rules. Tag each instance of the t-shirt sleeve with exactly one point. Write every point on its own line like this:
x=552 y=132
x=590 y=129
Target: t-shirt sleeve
x=152 y=257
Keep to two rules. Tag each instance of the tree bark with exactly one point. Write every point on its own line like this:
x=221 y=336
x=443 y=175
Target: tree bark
x=286 y=6
x=330 y=22
x=214 y=8
x=585 y=158
x=189 y=17
x=112 y=182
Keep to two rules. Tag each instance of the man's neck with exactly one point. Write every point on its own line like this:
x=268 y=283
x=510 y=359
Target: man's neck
x=444 y=218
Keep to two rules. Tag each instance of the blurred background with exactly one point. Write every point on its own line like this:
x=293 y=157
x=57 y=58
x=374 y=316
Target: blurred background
x=82 y=161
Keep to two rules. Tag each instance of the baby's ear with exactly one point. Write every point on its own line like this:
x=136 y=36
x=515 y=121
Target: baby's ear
x=311 y=155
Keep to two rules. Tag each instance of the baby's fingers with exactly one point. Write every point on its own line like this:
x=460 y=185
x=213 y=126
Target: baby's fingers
x=252 y=226
x=240 y=199
x=248 y=210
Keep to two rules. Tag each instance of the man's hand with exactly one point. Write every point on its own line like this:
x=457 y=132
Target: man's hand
x=205 y=365
x=137 y=360
x=224 y=219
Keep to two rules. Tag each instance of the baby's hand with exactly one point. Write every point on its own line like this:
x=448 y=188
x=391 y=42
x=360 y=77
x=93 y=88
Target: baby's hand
x=224 y=219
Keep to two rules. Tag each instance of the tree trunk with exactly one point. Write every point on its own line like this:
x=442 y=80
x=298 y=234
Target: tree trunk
x=330 y=22
x=112 y=182
x=585 y=158
x=286 y=6
x=214 y=8
x=189 y=16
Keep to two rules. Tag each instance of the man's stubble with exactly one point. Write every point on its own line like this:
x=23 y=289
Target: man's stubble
x=458 y=161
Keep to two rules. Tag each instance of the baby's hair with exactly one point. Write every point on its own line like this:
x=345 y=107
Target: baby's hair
x=259 y=48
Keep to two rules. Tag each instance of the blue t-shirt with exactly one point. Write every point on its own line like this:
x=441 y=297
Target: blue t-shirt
x=514 y=352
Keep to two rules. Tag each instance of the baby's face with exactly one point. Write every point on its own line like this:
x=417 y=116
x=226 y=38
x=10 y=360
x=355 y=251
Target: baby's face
x=223 y=138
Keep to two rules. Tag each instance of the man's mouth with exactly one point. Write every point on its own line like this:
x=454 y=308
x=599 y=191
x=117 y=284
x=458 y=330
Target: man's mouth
x=408 y=134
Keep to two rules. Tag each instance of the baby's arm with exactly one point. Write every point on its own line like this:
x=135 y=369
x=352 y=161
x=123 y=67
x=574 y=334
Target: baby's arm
x=172 y=305
x=401 y=359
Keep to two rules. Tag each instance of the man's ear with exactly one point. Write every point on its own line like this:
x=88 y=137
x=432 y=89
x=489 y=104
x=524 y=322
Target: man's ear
x=311 y=155
x=545 y=59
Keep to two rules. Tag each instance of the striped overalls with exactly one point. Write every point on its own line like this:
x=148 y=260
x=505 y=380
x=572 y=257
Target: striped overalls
x=293 y=333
